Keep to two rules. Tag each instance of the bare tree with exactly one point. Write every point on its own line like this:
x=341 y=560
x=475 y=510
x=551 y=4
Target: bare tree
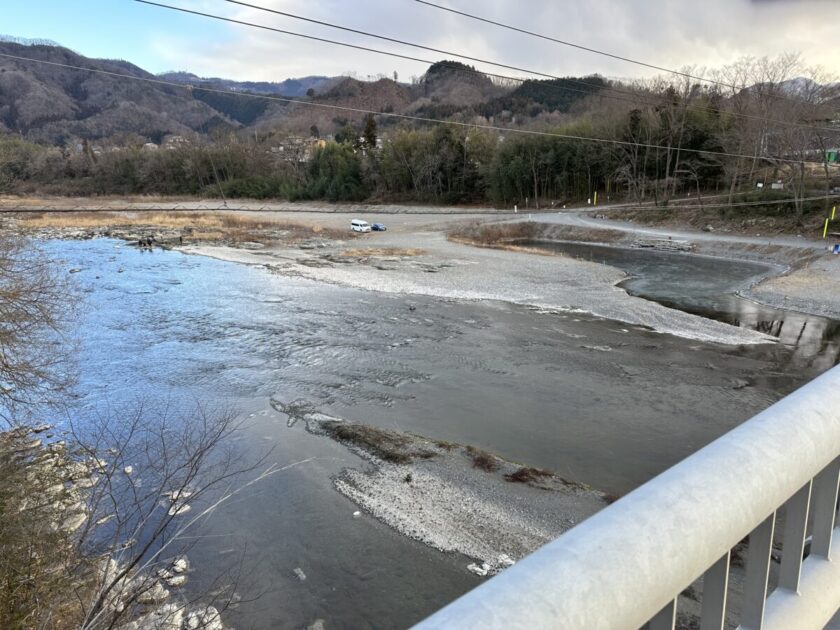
x=96 y=531
x=633 y=157
x=156 y=476
x=35 y=304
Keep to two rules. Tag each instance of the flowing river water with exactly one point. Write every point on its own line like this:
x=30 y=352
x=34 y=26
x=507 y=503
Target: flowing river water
x=597 y=401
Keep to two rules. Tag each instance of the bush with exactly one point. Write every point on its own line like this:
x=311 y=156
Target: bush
x=482 y=459
x=527 y=475
x=255 y=187
x=335 y=173
x=493 y=234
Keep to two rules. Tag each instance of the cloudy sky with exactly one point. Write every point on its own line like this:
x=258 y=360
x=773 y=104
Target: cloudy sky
x=669 y=33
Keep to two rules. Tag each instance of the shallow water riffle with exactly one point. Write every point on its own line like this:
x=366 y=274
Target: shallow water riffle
x=597 y=401
x=709 y=287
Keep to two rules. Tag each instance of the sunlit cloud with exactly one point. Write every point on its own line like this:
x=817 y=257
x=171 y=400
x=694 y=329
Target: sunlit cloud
x=668 y=33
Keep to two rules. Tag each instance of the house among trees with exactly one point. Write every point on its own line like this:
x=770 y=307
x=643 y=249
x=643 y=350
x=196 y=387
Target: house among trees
x=297 y=148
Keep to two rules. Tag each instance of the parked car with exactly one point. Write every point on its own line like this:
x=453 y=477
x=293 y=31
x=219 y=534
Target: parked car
x=357 y=225
x=378 y=227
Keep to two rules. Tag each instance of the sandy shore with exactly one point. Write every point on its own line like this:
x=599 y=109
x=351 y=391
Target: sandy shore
x=814 y=288
x=452 y=270
x=811 y=283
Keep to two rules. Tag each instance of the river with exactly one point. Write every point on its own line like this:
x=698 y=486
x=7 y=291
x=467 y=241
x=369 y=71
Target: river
x=600 y=402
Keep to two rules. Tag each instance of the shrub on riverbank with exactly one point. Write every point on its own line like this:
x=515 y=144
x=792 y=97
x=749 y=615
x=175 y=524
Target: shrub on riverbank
x=87 y=543
x=386 y=445
x=41 y=571
x=478 y=233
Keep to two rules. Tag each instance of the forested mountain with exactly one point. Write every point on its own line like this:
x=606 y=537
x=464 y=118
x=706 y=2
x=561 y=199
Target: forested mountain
x=55 y=105
x=65 y=131
x=50 y=104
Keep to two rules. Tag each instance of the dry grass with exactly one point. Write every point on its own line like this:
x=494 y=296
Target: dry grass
x=494 y=233
x=386 y=445
x=482 y=459
x=771 y=219
x=205 y=226
x=510 y=236
x=369 y=252
x=528 y=475
x=209 y=236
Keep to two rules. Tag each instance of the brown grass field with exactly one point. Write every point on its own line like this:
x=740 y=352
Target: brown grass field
x=203 y=226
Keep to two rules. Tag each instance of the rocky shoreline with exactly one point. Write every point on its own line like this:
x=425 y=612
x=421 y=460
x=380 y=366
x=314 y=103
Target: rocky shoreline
x=56 y=488
x=805 y=282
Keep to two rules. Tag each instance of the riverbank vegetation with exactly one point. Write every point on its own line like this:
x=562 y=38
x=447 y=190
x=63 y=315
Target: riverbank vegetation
x=95 y=508
x=177 y=227
x=516 y=235
x=663 y=141
x=763 y=212
x=92 y=526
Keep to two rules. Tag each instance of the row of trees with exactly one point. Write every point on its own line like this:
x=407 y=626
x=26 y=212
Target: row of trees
x=665 y=139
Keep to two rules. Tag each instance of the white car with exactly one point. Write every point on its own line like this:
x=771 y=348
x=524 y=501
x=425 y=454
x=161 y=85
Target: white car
x=357 y=225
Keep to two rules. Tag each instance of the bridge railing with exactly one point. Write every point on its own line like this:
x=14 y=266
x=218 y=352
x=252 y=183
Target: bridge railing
x=627 y=565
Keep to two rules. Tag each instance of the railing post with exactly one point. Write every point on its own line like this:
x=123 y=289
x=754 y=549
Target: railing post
x=642 y=551
x=758 y=570
x=824 y=508
x=793 y=545
x=666 y=618
x=715 y=585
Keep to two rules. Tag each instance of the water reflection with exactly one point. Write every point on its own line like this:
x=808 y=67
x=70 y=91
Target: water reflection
x=708 y=287
x=587 y=397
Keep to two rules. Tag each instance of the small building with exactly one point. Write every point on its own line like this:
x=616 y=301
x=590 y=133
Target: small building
x=174 y=142
x=297 y=148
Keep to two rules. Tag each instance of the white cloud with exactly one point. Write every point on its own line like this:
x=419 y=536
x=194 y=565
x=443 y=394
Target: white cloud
x=669 y=33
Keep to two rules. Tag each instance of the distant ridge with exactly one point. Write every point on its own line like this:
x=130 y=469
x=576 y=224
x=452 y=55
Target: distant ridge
x=24 y=41
x=289 y=87
x=59 y=105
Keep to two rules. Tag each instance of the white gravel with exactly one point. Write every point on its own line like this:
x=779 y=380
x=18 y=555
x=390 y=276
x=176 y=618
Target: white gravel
x=453 y=507
x=438 y=495
x=452 y=270
x=815 y=289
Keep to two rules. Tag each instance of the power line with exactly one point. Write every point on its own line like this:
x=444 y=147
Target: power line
x=358 y=110
x=586 y=48
x=633 y=96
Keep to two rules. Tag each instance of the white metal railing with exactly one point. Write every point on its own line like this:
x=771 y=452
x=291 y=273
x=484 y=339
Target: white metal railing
x=626 y=565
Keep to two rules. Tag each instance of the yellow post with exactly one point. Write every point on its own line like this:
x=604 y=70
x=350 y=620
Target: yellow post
x=596 y=198
x=833 y=210
x=825 y=229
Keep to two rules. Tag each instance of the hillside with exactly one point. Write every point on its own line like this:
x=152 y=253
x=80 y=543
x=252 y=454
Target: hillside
x=289 y=87
x=61 y=106
x=53 y=105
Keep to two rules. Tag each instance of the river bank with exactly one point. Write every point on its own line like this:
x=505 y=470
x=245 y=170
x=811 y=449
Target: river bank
x=808 y=281
x=455 y=271
x=601 y=402
x=278 y=229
